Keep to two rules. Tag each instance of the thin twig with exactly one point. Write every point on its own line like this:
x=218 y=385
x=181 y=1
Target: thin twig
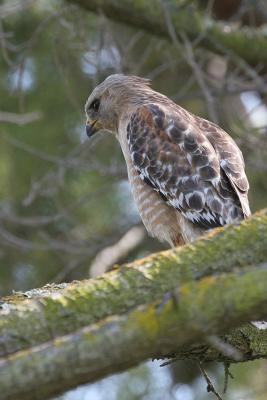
x=227 y=373
x=186 y=51
x=210 y=386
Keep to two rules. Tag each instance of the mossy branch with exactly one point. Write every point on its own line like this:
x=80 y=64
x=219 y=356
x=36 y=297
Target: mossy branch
x=248 y=43
x=177 y=301
x=188 y=314
x=29 y=319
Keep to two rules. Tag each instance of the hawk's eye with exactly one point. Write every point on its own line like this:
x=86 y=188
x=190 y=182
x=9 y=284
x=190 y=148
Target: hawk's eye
x=95 y=105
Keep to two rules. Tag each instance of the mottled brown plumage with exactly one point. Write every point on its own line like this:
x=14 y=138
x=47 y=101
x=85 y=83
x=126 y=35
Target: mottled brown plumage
x=186 y=173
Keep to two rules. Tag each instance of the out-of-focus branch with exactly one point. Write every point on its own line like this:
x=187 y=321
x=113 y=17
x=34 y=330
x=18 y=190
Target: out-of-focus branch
x=109 y=256
x=16 y=6
x=186 y=18
x=19 y=119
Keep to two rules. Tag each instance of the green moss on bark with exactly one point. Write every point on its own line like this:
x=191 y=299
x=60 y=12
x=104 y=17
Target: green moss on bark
x=39 y=315
x=189 y=314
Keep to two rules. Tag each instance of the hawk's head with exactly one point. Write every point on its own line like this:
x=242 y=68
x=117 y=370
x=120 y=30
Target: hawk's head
x=110 y=98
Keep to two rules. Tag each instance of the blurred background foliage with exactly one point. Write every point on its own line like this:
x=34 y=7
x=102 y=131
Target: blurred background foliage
x=63 y=198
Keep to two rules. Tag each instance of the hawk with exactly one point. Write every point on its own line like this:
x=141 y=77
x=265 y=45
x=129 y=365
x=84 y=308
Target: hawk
x=186 y=173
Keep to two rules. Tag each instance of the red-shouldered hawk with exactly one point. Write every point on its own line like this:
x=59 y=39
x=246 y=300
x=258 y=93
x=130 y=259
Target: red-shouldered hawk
x=186 y=173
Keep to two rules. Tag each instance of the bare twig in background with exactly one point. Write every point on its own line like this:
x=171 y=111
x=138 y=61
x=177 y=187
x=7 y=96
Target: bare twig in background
x=259 y=82
x=210 y=386
x=14 y=7
x=198 y=72
x=227 y=374
x=49 y=243
x=71 y=160
x=4 y=47
x=19 y=119
x=62 y=71
x=186 y=51
x=109 y=256
x=54 y=178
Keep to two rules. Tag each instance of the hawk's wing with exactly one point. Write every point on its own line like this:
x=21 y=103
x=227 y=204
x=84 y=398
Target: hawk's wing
x=231 y=160
x=172 y=154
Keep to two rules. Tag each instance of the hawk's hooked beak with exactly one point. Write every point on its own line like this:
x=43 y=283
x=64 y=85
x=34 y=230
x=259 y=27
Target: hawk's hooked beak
x=92 y=126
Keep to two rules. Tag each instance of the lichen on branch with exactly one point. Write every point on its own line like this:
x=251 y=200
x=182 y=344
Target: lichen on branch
x=40 y=315
x=189 y=314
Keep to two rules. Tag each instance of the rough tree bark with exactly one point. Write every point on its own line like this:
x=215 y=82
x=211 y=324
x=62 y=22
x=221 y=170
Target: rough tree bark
x=248 y=43
x=59 y=309
x=177 y=301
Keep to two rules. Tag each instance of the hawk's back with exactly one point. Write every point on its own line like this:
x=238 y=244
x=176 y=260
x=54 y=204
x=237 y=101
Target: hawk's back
x=192 y=166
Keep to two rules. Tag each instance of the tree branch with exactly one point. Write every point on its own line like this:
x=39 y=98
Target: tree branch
x=60 y=309
x=186 y=315
x=174 y=302
x=248 y=43
x=111 y=255
x=19 y=119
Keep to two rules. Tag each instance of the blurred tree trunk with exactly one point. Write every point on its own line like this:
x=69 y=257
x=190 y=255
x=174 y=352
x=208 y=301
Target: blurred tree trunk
x=184 y=16
x=178 y=301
